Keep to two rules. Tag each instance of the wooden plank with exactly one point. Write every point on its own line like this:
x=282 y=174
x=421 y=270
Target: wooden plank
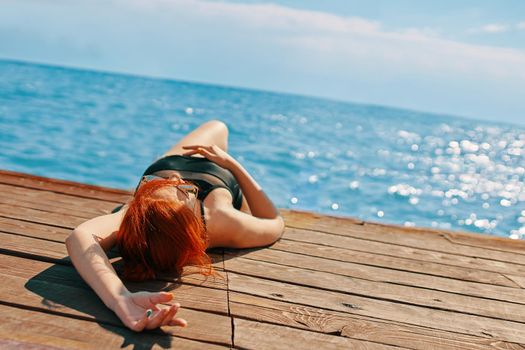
x=423 y=238
x=496 y=248
x=13 y=244
x=63 y=186
x=59 y=289
x=460 y=237
x=519 y=280
x=15 y=344
x=57 y=202
x=39 y=216
x=474 y=240
x=293 y=215
x=394 y=263
x=257 y=335
x=30 y=329
x=383 y=291
x=380 y=248
x=35 y=230
x=479 y=326
x=21 y=204
x=370 y=273
x=47 y=205
x=354 y=326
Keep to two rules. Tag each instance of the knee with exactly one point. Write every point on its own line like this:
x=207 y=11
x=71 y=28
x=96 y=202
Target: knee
x=219 y=125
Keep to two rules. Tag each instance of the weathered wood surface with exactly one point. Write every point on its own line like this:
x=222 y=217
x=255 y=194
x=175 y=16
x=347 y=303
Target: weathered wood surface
x=329 y=283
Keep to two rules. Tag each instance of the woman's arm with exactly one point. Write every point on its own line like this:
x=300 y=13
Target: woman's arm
x=91 y=262
x=260 y=205
x=264 y=226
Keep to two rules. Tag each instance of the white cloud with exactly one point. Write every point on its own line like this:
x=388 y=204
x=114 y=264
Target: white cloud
x=156 y=21
x=335 y=39
x=495 y=28
x=353 y=37
x=175 y=28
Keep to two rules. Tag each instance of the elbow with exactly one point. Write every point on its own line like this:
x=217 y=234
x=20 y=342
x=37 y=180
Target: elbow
x=70 y=240
x=278 y=230
x=281 y=226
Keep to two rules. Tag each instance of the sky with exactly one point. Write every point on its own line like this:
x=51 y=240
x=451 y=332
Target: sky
x=464 y=58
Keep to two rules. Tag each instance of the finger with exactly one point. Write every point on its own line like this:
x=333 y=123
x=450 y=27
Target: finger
x=206 y=153
x=169 y=315
x=178 y=322
x=201 y=151
x=189 y=153
x=139 y=325
x=156 y=320
x=162 y=297
x=195 y=146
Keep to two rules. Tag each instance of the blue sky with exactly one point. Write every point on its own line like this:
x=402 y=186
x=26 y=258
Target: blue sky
x=463 y=58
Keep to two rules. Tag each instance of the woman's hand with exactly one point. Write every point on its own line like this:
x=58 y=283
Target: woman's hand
x=132 y=309
x=213 y=153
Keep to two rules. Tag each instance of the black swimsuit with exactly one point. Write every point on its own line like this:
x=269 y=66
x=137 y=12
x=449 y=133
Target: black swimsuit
x=202 y=172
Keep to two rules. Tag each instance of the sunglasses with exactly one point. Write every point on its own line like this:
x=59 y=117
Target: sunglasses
x=185 y=188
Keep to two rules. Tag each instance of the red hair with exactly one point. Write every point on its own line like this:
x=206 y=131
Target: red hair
x=160 y=235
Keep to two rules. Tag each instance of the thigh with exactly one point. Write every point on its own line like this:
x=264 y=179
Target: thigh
x=213 y=132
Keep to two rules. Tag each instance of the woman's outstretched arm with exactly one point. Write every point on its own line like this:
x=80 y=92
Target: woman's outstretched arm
x=86 y=251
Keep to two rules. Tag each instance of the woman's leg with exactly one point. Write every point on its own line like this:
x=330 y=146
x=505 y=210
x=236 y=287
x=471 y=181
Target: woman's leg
x=213 y=132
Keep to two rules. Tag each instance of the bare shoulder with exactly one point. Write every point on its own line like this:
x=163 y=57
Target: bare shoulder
x=229 y=227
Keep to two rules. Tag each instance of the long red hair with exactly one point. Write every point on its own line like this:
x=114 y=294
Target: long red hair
x=160 y=235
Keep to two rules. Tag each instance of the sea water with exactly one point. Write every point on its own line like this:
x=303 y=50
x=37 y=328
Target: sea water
x=371 y=162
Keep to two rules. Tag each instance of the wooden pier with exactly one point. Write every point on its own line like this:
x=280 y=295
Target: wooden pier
x=329 y=283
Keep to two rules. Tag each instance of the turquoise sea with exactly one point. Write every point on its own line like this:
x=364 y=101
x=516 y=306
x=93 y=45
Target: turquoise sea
x=375 y=163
